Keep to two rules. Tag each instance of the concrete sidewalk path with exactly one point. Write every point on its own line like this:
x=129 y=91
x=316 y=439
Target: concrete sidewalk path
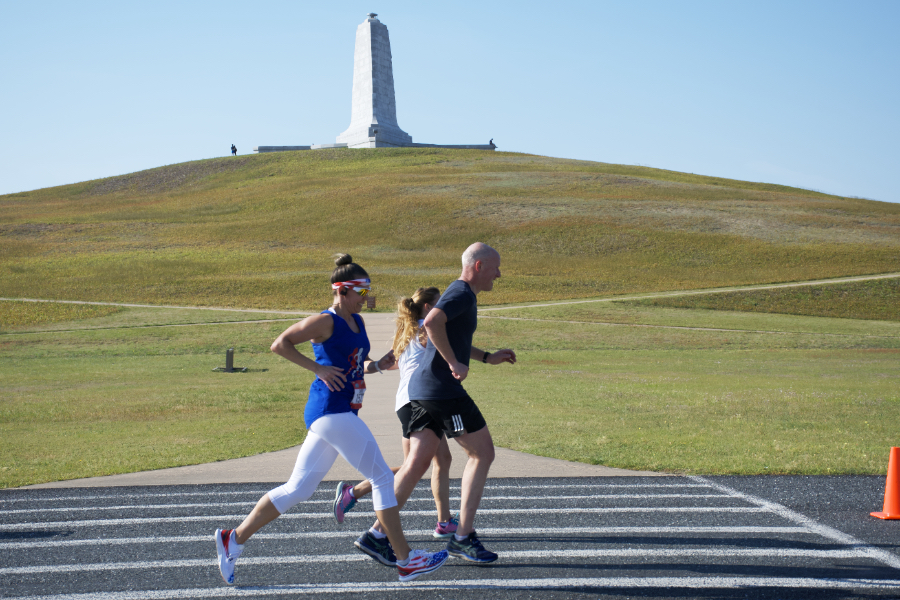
x=378 y=413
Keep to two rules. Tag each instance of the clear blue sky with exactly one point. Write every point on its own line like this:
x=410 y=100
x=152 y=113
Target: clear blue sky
x=796 y=93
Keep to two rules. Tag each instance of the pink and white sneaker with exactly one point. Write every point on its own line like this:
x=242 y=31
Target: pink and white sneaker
x=343 y=501
x=444 y=531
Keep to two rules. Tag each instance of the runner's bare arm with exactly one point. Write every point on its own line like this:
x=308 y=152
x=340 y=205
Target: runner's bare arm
x=496 y=357
x=385 y=363
x=316 y=328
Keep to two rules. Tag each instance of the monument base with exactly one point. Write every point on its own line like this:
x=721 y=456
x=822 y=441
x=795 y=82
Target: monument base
x=378 y=144
x=279 y=148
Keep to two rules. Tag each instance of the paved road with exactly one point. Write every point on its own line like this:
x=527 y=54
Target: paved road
x=606 y=537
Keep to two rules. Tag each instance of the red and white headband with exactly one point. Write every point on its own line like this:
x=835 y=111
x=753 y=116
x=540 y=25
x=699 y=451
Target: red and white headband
x=352 y=283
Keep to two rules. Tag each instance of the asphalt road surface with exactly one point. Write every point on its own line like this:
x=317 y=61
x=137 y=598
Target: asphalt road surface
x=598 y=537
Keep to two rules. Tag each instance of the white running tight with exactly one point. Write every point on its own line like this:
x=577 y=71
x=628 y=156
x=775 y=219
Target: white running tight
x=345 y=434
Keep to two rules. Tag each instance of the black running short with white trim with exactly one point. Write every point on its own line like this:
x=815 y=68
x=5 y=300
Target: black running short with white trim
x=451 y=417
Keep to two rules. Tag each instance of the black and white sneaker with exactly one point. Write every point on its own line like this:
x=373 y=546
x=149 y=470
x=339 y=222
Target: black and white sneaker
x=380 y=550
x=470 y=549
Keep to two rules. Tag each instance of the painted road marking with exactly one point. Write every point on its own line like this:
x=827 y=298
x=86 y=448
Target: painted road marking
x=795 y=517
x=423 y=499
x=493 y=584
x=369 y=515
x=330 y=492
x=485 y=531
x=507 y=554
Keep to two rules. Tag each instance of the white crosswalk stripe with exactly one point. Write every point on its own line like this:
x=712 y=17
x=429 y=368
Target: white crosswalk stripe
x=456 y=499
x=605 y=583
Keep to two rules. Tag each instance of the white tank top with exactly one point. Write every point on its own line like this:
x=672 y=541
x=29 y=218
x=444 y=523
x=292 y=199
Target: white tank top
x=409 y=362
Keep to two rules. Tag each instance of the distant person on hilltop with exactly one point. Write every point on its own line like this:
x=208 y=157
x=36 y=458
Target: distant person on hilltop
x=233 y=150
x=491 y=143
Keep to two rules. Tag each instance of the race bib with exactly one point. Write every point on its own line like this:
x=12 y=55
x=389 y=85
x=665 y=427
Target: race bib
x=359 y=390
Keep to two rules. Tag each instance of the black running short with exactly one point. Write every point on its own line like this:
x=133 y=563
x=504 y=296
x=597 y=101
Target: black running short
x=404 y=413
x=451 y=417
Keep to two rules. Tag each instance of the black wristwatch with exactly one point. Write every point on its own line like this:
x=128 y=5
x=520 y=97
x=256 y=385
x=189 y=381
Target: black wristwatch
x=484 y=358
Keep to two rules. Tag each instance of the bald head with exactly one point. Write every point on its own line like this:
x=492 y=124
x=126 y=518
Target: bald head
x=475 y=252
x=480 y=267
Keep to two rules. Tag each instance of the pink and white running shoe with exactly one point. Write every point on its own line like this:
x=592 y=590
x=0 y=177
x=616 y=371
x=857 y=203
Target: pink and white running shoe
x=343 y=502
x=444 y=531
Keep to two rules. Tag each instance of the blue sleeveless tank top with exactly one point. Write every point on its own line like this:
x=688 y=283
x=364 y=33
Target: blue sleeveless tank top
x=345 y=350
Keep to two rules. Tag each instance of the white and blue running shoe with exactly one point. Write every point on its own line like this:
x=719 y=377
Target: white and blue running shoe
x=228 y=550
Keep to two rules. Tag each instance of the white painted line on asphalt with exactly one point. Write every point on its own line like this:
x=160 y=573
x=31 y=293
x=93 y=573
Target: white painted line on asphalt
x=330 y=492
x=604 y=583
x=369 y=515
x=768 y=553
x=185 y=563
x=814 y=526
x=483 y=533
x=423 y=499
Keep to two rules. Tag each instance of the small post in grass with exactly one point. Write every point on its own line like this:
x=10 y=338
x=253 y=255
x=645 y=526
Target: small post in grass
x=229 y=363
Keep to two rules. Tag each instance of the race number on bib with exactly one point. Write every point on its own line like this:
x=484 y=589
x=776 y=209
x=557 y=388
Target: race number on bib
x=359 y=390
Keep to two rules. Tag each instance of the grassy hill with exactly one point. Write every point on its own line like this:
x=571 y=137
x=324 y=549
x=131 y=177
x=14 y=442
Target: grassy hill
x=258 y=231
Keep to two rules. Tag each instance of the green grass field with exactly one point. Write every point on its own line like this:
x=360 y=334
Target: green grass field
x=787 y=381
x=109 y=394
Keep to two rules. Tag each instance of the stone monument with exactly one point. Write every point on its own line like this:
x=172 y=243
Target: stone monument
x=373 y=116
x=373 y=119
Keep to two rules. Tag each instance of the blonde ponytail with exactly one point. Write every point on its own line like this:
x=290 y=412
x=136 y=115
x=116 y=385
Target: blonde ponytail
x=409 y=311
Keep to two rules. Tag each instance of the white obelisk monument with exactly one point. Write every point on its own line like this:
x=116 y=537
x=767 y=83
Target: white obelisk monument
x=373 y=120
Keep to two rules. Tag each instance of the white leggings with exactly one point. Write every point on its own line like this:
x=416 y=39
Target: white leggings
x=343 y=433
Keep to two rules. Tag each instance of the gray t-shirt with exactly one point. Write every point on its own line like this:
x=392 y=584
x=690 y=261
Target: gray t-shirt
x=434 y=380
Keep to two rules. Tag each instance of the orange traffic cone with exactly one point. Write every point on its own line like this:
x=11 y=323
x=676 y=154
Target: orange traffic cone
x=891 y=488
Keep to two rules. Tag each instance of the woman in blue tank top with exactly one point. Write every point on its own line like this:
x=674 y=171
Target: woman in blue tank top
x=341 y=350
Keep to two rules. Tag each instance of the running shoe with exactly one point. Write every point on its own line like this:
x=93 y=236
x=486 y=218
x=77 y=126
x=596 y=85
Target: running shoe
x=380 y=550
x=343 y=501
x=446 y=531
x=420 y=563
x=470 y=549
x=228 y=550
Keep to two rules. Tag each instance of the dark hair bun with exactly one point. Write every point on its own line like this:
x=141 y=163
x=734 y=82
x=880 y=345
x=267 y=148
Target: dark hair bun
x=342 y=259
